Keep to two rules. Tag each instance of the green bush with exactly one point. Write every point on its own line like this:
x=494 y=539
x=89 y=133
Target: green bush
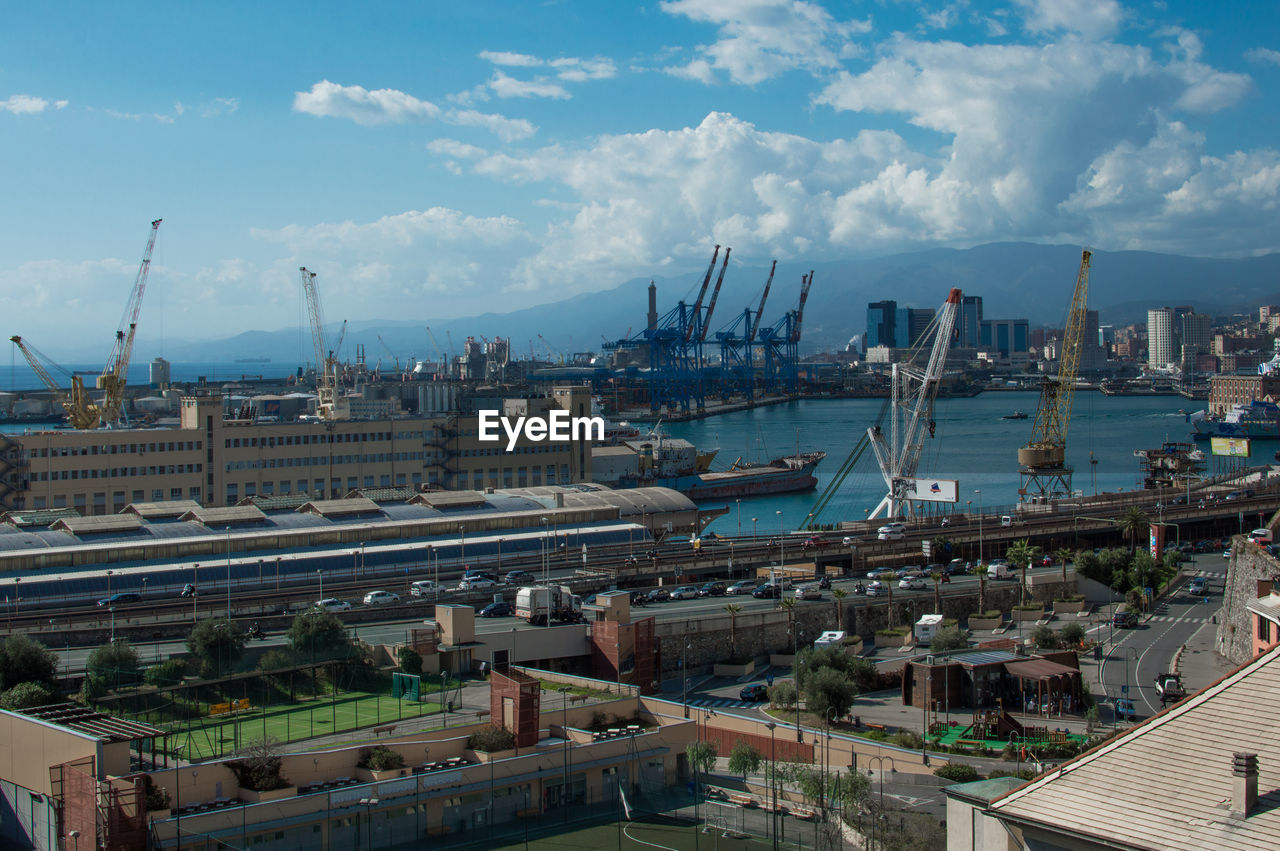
x=1072 y=635
x=1024 y=774
x=491 y=740
x=167 y=673
x=410 y=660
x=957 y=772
x=26 y=696
x=893 y=632
x=1030 y=607
x=381 y=758
x=783 y=693
x=1044 y=637
x=948 y=638
x=276 y=659
x=992 y=613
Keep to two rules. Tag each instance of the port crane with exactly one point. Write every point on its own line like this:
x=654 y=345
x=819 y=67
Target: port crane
x=82 y=413
x=331 y=406
x=1042 y=463
x=116 y=373
x=912 y=395
x=737 y=365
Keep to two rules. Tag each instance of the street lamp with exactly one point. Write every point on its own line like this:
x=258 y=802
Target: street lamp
x=753 y=528
x=773 y=788
x=320 y=576
x=978 y=494
x=444 y=694
x=228 y=576
x=462 y=551
x=739 y=502
x=369 y=804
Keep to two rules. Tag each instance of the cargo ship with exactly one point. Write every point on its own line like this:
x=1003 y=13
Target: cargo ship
x=788 y=474
x=1256 y=421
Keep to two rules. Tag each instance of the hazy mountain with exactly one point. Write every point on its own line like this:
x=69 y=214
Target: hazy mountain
x=1015 y=280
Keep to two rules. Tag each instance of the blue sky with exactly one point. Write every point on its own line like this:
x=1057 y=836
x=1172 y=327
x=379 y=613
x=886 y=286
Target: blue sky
x=432 y=160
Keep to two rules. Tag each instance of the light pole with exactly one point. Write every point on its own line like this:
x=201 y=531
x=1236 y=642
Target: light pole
x=1130 y=653
x=320 y=576
x=753 y=528
x=978 y=494
x=684 y=678
x=177 y=792
x=892 y=767
x=369 y=804
x=195 y=592
x=773 y=788
x=228 y=576
x=462 y=551
x=444 y=693
x=739 y=502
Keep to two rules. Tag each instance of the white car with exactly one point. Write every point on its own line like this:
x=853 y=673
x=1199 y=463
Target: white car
x=808 y=592
x=891 y=532
x=476 y=583
x=877 y=589
x=423 y=588
x=333 y=604
x=380 y=598
x=913 y=583
x=685 y=592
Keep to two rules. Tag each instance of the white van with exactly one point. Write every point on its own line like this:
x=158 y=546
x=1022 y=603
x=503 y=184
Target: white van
x=1006 y=520
x=423 y=588
x=892 y=532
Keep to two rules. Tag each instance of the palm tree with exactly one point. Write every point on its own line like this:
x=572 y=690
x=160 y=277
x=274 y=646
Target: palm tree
x=888 y=586
x=981 y=571
x=1133 y=523
x=1022 y=553
x=1064 y=555
x=733 y=609
x=937 y=592
x=839 y=594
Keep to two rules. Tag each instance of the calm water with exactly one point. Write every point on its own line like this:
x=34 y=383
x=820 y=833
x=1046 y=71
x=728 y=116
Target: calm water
x=17 y=375
x=973 y=445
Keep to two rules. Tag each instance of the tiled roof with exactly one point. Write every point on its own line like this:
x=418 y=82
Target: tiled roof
x=1167 y=783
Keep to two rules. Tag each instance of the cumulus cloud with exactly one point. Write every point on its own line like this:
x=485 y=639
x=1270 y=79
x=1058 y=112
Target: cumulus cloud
x=1091 y=18
x=762 y=39
x=380 y=106
x=507 y=129
x=1263 y=56
x=509 y=87
x=26 y=104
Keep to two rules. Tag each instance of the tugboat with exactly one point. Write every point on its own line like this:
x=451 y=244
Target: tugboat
x=1016 y=415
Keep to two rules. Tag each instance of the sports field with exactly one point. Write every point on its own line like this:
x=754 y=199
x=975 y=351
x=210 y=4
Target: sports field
x=221 y=735
x=649 y=832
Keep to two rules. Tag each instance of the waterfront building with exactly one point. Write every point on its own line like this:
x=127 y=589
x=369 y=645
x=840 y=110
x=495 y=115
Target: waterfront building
x=882 y=318
x=1010 y=337
x=1228 y=390
x=969 y=322
x=912 y=323
x=1161 y=342
x=215 y=461
x=1196 y=338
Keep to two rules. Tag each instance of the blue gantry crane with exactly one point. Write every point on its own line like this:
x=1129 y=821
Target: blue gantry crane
x=737 y=347
x=780 y=346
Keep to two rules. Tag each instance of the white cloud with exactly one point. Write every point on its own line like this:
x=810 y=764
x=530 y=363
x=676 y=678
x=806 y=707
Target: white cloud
x=380 y=106
x=25 y=104
x=60 y=104
x=219 y=106
x=509 y=87
x=1263 y=56
x=762 y=39
x=581 y=70
x=454 y=148
x=1091 y=18
x=507 y=129
x=518 y=60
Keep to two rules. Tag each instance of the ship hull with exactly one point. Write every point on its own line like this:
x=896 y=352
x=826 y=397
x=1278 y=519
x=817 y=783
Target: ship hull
x=781 y=476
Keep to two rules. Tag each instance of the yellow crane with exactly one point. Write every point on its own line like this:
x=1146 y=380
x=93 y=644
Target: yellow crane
x=81 y=411
x=1043 y=461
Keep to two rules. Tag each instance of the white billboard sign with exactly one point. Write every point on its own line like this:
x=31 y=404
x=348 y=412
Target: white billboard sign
x=927 y=490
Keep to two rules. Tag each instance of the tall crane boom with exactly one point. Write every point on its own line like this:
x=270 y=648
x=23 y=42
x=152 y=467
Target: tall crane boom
x=715 y=295
x=805 y=284
x=912 y=395
x=706 y=281
x=331 y=406
x=81 y=412
x=116 y=372
x=755 y=323
x=1042 y=462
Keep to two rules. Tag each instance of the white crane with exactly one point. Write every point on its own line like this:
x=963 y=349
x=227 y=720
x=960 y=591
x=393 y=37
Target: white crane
x=331 y=406
x=911 y=413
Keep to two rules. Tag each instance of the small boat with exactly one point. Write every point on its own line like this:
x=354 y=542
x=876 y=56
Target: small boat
x=1016 y=415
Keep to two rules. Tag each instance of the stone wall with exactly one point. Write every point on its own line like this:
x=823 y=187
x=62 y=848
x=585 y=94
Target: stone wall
x=1249 y=564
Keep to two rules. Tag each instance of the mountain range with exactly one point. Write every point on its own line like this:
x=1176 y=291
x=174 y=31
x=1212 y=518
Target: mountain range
x=1015 y=280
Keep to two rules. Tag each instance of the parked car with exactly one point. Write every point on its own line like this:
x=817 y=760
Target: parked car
x=807 y=592
x=712 y=589
x=685 y=592
x=745 y=586
x=518 y=577
x=658 y=595
x=498 y=609
x=880 y=573
x=877 y=589
x=120 y=598
x=754 y=693
x=477 y=583
x=767 y=591
x=333 y=604
x=1125 y=710
x=424 y=588
x=380 y=598
x=913 y=583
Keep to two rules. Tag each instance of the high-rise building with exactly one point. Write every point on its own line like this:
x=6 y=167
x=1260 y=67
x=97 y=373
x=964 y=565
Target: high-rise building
x=1092 y=354
x=1196 y=338
x=912 y=324
x=969 y=322
x=1007 y=336
x=1161 y=341
x=882 y=317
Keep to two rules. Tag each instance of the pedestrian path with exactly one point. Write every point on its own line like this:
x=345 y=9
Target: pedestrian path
x=1176 y=619
x=721 y=703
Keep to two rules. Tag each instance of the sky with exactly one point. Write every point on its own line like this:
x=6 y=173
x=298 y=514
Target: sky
x=429 y=160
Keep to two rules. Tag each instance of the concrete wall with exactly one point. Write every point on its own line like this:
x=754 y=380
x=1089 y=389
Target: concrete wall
x=28 y=747
x=1249 y=564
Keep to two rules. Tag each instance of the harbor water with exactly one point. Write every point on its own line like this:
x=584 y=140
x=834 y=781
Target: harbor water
x=972 y=444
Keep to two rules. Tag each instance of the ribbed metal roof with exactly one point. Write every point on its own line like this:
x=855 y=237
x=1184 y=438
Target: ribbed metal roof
x=98 y=525
x=155 y=510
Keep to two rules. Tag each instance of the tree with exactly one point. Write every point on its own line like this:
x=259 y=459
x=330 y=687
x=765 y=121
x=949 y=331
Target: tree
x=1072 y=635
x=948 y=638
x=744 y=759
x=839 y=595
x=1044 y=637
x=1064 y=555
x=167 y=673
x=733 y=609
x=828 y=690
x=24 y=660
x=1133 y=600
x=1021 y=554
x=116 y=664
x=317 y=635
x=410 y=660
x=981 y=571
x=1134 y=523
x=936 y=576
x=702 y=758
x=275 y=659
x=217 y=644
x=26 y=696
x=783 y=694
x=789 y=606
x=888 y=587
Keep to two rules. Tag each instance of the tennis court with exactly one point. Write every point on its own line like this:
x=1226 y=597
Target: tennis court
x=649 y=833
x=222 y=735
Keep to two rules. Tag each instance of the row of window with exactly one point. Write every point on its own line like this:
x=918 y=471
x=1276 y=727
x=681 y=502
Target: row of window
x=285 y=487
x=323 y=460
x=114 y=449
x=115 y=472
x=305 y=439
x=79 y=501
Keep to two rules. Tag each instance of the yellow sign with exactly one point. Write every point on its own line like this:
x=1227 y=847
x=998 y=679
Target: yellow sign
x=219 y=708
x=1237 y=447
